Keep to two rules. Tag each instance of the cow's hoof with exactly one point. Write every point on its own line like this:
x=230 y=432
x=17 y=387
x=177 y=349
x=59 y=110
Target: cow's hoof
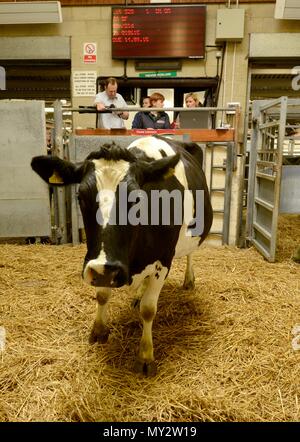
x=189 y=284
x=99 y=335
x=145 y=368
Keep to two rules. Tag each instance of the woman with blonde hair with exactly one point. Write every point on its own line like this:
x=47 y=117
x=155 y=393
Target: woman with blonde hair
x=191 y=100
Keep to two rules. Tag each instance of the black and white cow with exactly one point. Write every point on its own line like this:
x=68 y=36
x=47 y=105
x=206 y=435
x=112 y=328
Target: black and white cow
x=120 y=190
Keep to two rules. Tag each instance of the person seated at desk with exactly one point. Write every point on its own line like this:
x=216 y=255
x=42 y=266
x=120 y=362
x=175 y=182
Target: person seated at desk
x=153 y=119
x=191 y=100
x=107 y=99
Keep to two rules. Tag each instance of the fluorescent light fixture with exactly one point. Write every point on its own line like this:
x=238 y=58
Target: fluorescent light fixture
x=12 y=13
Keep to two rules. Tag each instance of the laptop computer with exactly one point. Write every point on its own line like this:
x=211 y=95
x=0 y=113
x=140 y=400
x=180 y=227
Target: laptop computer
x=195 y=120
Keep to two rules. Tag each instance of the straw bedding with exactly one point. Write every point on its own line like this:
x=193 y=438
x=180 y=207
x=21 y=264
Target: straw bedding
x=224 y=350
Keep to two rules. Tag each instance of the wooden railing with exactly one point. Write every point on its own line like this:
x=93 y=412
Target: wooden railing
x=194 y=134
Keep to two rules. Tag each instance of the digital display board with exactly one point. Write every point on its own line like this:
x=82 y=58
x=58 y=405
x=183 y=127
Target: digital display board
x=158 y=31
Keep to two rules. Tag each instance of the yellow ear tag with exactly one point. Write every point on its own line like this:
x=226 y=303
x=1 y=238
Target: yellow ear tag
x=55 y=178
x=169 y=173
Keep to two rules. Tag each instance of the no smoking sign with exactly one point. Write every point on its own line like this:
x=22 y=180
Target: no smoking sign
x=89 y=52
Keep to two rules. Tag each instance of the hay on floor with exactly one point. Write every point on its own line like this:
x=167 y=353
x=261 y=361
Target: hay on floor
x=224 y=350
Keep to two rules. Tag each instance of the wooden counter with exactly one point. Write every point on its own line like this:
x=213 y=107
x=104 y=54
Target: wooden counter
x=204 y=135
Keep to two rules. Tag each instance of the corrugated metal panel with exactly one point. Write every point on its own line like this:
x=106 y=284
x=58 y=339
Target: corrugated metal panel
x=36 y=79
x=271 y=85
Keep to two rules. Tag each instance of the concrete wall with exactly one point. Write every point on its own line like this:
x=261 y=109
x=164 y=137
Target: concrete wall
x=24 y=197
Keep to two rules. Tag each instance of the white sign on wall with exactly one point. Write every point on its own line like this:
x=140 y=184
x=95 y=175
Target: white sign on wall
x=84 y=83
x=89 y=52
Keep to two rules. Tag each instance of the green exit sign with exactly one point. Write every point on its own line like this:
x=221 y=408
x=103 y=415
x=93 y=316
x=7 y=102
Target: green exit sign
x=158 y=74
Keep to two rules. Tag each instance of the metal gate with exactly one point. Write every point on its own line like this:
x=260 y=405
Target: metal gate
x=268 y=132
x=221 y=166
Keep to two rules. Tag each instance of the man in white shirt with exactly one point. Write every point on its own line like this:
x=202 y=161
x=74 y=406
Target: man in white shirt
x=110 y=98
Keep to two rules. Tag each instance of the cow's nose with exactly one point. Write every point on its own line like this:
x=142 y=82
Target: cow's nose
x=118 y=274
x=114 y=275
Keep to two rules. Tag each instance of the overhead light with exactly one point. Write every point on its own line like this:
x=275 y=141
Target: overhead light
x=12 y=13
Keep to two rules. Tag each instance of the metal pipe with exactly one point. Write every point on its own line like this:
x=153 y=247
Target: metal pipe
x=59 y=193
x=148 y=109
x=227 y=192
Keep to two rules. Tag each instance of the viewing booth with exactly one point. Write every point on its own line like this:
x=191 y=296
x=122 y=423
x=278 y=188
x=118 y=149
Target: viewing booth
x=221 y=165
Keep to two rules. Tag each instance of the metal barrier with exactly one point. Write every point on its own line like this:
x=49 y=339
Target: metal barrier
x=226 y=168
x=270 y=121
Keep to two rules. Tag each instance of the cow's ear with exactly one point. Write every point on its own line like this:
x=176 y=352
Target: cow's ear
x=160 y=169
x=55 y=171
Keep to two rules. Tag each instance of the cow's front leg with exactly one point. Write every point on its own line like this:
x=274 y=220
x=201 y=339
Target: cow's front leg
x=148 y=306
x=137 y=292
x=189 y=277
x=100 y=331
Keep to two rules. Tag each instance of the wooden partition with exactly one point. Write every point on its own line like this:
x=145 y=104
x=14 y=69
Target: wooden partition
x=201 y=135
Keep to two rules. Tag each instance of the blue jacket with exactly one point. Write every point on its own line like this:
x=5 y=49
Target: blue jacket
x=146 y=120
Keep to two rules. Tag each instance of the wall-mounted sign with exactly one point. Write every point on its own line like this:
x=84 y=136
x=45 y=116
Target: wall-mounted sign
x=84 y=83
x=158 y=31
x=158 y=74
x=90 y=52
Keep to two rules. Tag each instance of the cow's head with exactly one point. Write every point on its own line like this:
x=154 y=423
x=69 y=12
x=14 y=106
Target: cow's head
x=107 y=177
